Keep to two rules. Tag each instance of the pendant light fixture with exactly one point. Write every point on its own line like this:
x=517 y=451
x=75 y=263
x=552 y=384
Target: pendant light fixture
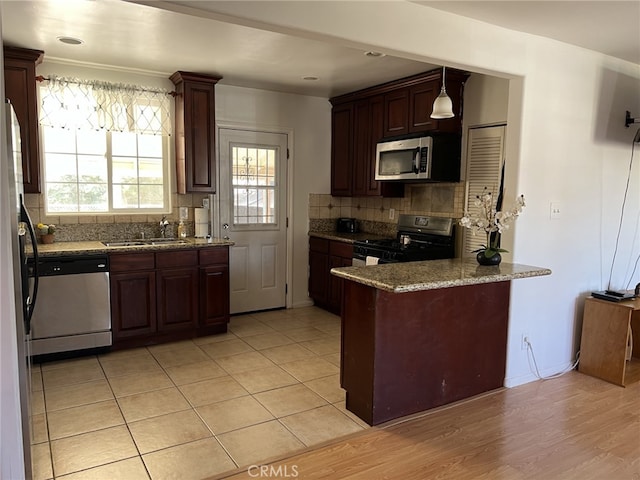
x=442 y=107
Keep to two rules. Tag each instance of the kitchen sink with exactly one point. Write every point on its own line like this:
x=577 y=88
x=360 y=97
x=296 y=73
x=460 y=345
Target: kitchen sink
x=123 y=244
x=145 y=242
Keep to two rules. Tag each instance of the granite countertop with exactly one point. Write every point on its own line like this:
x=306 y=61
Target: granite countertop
x=434 y=274
x=88 y=247
x=348 y=237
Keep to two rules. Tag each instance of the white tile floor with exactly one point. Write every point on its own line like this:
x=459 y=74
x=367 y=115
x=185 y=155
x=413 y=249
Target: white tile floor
x=196 y=408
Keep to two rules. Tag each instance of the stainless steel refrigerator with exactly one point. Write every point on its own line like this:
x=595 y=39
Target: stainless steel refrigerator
x=25 y=289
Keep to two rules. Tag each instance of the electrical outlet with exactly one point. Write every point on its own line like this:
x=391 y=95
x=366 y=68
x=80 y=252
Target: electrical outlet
x=554 y=210
x=184 y=213
x=205 y=203
x=392 y=213
x=524 y=341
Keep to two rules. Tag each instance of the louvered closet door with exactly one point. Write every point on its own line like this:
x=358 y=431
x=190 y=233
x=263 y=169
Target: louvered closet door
x=485 y=154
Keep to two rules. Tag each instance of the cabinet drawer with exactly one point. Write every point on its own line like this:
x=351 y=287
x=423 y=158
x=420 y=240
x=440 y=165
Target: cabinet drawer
x=320 y=245
x=181 y=258
x=341 y=249
x=214 y=255
x=127 y=262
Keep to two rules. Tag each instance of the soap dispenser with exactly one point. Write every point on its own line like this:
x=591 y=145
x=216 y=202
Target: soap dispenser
x=182 y=231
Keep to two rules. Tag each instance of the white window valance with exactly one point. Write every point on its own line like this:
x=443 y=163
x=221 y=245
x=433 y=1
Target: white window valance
x=72 y=103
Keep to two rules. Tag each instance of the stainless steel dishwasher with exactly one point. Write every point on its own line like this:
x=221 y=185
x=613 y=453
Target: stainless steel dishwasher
x=73 y=311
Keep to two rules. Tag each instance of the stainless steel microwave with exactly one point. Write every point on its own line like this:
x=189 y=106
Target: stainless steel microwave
x=408 y=159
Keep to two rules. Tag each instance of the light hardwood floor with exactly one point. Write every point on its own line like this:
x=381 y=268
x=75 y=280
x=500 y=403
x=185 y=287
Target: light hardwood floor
x=573 y=427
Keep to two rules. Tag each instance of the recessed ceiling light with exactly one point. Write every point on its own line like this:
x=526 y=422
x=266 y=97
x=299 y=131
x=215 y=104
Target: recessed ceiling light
x=371 y=53
x=70 y=40
x=310 y=78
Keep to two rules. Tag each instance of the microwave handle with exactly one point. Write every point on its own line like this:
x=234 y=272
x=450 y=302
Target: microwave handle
x=416 y=161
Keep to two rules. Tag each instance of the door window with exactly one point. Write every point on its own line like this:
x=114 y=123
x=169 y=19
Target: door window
x=255 y=183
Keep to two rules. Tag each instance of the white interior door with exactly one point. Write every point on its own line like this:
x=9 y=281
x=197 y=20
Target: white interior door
x=253 y=171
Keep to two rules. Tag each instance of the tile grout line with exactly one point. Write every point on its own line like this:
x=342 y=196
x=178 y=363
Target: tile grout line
x=324 y=335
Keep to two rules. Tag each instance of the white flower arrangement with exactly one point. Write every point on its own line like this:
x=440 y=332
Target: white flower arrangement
x=489 y=221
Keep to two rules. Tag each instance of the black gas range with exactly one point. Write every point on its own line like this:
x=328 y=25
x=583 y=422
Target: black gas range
x=418 y=238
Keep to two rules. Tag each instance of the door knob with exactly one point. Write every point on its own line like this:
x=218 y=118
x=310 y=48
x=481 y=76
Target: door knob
x=225 y=226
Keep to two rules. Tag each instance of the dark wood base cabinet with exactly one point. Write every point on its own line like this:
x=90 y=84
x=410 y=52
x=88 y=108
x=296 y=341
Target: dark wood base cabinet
x=170 y=295
x=214 y=291
x=403 y=353
x=177 y=290
x=326 y=289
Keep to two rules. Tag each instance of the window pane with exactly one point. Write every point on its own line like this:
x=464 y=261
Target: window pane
x=60 y=168
x=93 y=197
x=92 y=142
x=151 y=196
x=62 y=197
x=150 y=145
x=151 y=171
x=125 y=196
x=124 y=143
x=253 y=175
x=58 y=140
x=125 y=170
x=78 y=176
x=92 y=169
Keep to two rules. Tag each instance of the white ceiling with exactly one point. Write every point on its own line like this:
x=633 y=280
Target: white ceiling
x=611 y=27
x=151 y=38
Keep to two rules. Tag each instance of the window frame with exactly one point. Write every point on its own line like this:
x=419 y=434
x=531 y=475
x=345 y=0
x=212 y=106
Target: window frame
x=166 y=183
x=274 y=189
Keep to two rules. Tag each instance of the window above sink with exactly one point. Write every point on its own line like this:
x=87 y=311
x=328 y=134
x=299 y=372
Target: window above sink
x=105 y=147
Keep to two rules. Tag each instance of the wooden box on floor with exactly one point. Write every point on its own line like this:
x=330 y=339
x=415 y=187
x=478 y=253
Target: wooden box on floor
x=608 y=328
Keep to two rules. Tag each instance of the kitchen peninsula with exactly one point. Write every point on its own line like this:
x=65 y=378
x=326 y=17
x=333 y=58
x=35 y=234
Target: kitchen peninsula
x=419 y=335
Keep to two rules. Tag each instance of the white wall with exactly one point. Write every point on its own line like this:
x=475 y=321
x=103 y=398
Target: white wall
x=486 y=100
x=566 y=143
x=309 y=118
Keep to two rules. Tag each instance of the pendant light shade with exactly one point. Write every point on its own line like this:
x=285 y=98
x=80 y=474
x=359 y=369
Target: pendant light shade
x=442 y=107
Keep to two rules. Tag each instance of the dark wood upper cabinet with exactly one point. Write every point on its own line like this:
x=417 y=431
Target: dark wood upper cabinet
x=341 y=150
x=369 y=121
x=395 y=109
x=396 y=113
x=361 y=147
x=20 y=89
x=195 y=132
x=421 y=101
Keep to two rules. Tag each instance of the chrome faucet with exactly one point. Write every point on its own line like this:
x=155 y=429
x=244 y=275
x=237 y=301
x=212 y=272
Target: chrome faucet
x=164 y=223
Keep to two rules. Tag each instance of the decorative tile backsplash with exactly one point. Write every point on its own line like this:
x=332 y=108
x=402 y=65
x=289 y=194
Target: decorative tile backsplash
x=114 y=227
x=373 y=213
